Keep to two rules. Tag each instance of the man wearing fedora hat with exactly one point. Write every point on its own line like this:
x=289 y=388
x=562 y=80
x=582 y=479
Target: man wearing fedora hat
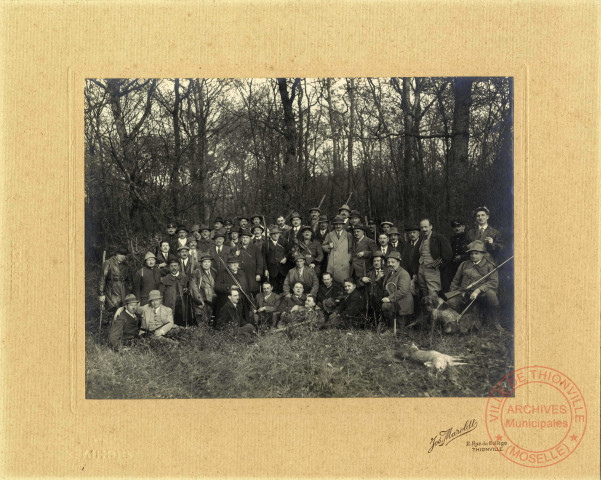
x=303 y=274
x=355 y=218
x=147 y=278
x=258 y=236
x=125 y=326
x=394 y=243
x=362 y=249
x=323 y=227
x=293 y=233
x=275 y=255
x=471 y=271
x=219 y=251
x=182 y=237
x=251 y=262
x=186 y=264
x=202 y=289
x=157 y=319
x=345 y=212
x=339 y=246
x=311 y=249
x=204 y=242
x=111 y=285
x=398 y=301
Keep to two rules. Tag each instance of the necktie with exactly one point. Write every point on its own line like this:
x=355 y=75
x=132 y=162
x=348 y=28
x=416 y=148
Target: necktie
x=219 y=250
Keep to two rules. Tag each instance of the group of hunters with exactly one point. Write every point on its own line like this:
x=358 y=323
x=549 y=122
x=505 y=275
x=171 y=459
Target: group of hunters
x=339 y=273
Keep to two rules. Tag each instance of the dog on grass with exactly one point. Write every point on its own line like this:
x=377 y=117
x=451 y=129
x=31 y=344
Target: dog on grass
x=441 y=312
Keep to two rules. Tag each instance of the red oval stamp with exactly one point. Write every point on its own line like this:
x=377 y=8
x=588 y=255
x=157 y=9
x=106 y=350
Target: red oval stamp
x=536 y=416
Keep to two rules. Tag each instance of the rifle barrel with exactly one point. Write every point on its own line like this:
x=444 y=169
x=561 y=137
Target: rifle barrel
x=237 y=283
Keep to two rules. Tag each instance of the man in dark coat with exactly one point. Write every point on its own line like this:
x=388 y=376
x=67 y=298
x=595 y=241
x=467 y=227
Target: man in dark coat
x=170 y=236
x=351 y=309
x=373 y=282
x=490 y=237
x=219 y=252
x=111 y=287
x=294 y=233
x=234 y=314
x=410 y=251
x=146 y=279
x=204 y=242
x=396 y=245
x=186 y=264
x=275 y=254
x=434 y=252
x=314 y=215
x=329 y=293
x=126 y=325
x=459 y=243
x=164 y=256
x=384 y=244
x=362 y=251
x=323 y=228
x=174 y=289
x=251 y=262
x=202 y=289
x=225 y=281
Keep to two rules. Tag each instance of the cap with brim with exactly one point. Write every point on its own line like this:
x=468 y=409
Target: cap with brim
x=173 y=260
x=233 y=259
x=149 y=255
x=345 y=207
x=412 y=228
x=304 y=228
x=386 y=223
x=245 y=232
x=171 y=225
x=355 y=213
x=131 y=298
x=274 y=229
x=195 y=228
x=457 y=223
x=243 y=217
x=122 y=251
x=393 y=231
x=476 y=246
x=360 y=226
x=220 y=233
x=256 y=215
x=182 y=228
x=205 y=257
x=183 y=247
x=394 y=254
x=323 y=219
x=218 y=219
x=191 y=239
x=314 y=209
x=228 y=223
x=295 y=215
x=337 y=220
x=377 y=254
x=154 y=295
x=258 y=226
x=482 y=209
x=204 y=227
x=299 y=256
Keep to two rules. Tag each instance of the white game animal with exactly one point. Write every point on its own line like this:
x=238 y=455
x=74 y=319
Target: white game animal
x=430 y=358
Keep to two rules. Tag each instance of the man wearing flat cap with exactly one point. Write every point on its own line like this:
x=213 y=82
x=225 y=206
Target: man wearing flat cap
x=111 y=286
x=385 y=226
x=471 y=271
x=490 y=237
x=147 y=278
x=275 y=255
x=171 y=235
x=398 y=300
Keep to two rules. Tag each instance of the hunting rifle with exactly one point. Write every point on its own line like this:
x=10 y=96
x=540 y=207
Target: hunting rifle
x=237 y=283
x=322 y=199
x=348 y=199
x=473 y=285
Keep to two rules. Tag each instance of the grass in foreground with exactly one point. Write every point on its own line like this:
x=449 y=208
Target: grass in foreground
x=339 y=363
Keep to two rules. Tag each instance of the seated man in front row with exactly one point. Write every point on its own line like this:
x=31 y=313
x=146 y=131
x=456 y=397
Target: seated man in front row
x=235 y=314
x=351 y=310
x=157 y=319
x=268 y=304
x=309 y=313
x=471 y=271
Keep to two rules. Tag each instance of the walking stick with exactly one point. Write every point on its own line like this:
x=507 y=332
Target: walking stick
x=102 y=304
x=465 y=309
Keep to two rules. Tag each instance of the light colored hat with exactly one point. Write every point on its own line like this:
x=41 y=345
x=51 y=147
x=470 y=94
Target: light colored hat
x=476 y=246
x=154 y=295
x=394 y=254
x=131 y=298
x=149 y=255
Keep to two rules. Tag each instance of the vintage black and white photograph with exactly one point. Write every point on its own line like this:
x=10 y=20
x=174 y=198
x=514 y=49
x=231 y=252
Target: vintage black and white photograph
x=298 y=237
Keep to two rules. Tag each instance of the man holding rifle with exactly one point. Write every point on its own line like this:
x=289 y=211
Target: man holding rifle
x=472 y=271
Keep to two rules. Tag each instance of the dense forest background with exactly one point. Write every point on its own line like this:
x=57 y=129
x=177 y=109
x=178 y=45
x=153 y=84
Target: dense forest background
x=187 y=150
